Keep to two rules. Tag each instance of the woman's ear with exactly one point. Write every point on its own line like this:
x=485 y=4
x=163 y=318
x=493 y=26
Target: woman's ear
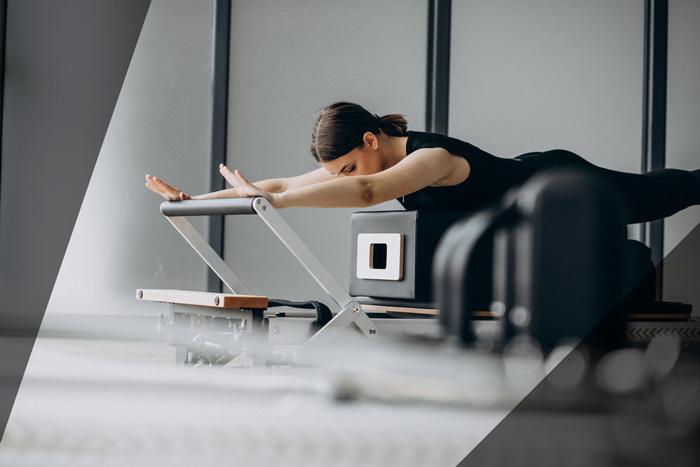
x=370 y=139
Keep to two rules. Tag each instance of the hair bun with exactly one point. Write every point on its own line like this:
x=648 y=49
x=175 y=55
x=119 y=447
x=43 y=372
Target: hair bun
x=339 y=128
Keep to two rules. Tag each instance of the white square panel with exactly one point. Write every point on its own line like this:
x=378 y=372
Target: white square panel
x=394 y=256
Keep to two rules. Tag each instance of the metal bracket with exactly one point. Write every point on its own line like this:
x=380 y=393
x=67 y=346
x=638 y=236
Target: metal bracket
x=350 y=312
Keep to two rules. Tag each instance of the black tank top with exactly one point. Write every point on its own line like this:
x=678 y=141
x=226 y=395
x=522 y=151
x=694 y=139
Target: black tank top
x=490 y=176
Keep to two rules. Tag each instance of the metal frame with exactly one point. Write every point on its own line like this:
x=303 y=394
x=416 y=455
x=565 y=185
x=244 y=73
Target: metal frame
x=438 y=77
x=219 y=135
x=654 y=116
x=348 y=310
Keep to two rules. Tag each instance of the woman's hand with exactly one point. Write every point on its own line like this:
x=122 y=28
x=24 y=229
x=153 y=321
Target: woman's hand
x=165 y=190
x=243 y=186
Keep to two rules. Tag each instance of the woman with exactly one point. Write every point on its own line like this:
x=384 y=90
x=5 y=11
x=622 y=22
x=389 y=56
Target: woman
x=366 y=159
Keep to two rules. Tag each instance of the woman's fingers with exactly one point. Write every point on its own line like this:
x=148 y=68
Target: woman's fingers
x=242 y=179
x=228 y=175
x=151 y=185
x=167 y=196
x=245 y=185
x=154 y=190
x=249 y=189
x=172 y=192
x=162 y=188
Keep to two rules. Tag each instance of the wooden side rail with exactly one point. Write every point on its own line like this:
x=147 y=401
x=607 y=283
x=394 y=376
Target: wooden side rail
x=210 y=299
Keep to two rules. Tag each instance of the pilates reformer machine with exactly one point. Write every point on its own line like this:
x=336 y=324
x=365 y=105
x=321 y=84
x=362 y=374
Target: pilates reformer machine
x=550 y=261
x=215 y=322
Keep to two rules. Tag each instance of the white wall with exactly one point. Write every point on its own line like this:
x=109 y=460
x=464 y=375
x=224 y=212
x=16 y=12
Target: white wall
x=289 y=59
x=543 y=74
x=161 y=126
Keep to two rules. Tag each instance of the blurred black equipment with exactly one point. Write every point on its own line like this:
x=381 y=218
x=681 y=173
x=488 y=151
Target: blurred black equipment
x=551 y=261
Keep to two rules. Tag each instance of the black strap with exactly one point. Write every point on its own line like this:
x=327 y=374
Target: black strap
x=323 y=313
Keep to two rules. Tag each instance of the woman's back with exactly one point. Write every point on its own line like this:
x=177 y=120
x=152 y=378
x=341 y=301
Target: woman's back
x=490 y=176
x=645 y=197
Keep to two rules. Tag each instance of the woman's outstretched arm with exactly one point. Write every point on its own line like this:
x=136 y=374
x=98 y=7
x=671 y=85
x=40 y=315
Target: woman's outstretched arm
x=425 y=167
x=272 y=185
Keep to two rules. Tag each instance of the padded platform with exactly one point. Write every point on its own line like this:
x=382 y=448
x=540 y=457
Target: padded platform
x=210 y=299
x=408 y=307
x=652 y=311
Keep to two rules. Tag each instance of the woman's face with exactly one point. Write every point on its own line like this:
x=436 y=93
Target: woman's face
x=364 y=160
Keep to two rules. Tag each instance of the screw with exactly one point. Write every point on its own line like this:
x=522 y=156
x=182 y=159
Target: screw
x=498 y=308
x=356 y=309
x=520 y=316
x=372 y=331
x=216 y=301
x=264 y=208
x=257 y=201
x=140 y=294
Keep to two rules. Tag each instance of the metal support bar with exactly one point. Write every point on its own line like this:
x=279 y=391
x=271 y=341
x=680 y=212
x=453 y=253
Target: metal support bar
x=301 y=252
x=654 y=117
x=207 y=253
x=219 y=128
x=350 y=314
x=438 y=78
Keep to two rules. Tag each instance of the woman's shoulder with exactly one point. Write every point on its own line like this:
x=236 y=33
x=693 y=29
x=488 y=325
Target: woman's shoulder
x=425 y=139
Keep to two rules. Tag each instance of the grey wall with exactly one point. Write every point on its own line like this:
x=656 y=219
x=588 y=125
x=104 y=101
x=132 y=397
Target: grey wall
x=683 y=138
x=161 y=126
x=289 y=59
x=544 y=74
x=541 y=74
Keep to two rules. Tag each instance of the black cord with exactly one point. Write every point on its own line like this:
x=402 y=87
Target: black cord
x=323 y=313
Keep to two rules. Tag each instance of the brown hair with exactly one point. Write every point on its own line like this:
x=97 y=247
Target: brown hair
x=340 y=126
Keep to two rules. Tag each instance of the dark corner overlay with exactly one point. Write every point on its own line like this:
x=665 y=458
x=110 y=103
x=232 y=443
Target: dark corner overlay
x=219 y=140
x=611 y=401
x=64 y=69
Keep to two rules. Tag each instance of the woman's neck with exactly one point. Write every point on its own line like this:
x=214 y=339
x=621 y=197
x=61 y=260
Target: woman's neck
x=393 y=149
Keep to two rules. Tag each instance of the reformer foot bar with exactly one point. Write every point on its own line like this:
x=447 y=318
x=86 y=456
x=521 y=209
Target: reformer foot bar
x=349 y=311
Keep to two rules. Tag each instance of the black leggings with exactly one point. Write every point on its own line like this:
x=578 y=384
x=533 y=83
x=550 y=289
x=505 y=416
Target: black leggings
x=646 y=197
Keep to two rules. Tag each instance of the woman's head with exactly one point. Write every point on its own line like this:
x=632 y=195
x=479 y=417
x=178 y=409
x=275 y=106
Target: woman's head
x=348 y=131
